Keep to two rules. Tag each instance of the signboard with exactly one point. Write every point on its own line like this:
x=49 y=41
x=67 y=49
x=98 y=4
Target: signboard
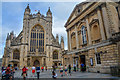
x=91 y=61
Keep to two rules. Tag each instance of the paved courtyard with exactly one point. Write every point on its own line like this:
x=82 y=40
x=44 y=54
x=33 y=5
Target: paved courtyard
x=48 y=74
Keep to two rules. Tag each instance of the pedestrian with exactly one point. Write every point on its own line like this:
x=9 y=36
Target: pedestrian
x=3 y=73
x=69 y=68
x=33 y=71
x=65 y=68
x=8 y=72
x=54 y=75
x=74 y=65
x=61 y=71
x=2 y=69
x=38 y=71
x=46 y=68
x=53 y=67
x=82 y=67
x=42 y=68
x=12 y=73
x=24 y=72
x=77 y=67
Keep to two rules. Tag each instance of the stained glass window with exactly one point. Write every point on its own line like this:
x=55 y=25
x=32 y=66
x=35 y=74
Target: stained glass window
x=37 y=39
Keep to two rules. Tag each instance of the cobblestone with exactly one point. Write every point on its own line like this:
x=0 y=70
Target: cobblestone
x=48 y=74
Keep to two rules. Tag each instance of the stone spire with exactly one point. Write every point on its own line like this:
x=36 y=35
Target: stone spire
x=38 y=13
x=49 y=13
x=27 y=12
x=62 y=43
x=27 y=8
x=57 y=38
x=8 y=37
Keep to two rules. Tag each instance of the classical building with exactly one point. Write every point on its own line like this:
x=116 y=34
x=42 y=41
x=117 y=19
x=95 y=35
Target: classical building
x=35 y=45
x=93 y=32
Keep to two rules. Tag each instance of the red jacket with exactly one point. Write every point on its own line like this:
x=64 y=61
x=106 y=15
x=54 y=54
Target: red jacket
x=8 y=70
x=41 y=67
x=24 y=70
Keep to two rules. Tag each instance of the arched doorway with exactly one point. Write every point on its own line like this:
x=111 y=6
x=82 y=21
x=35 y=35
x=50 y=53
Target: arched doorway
x=36 y=62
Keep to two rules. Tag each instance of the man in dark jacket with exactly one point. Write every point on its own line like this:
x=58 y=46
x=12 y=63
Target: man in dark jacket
x=38 y=71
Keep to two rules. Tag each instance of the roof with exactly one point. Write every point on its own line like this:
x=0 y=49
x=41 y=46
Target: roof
x=78 y=5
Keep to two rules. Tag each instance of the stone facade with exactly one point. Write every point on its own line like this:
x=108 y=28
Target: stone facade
x=93 y=34
x=35 y=44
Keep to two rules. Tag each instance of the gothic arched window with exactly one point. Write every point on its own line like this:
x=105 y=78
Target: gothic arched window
x=55 y=55
x=83 y=32
x=37 y=39
x=16 y=54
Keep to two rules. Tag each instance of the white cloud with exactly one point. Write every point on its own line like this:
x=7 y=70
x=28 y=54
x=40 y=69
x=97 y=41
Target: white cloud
x=58 y=28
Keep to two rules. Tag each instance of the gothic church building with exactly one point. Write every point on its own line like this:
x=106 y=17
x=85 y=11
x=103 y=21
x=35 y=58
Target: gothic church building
x=35 y=45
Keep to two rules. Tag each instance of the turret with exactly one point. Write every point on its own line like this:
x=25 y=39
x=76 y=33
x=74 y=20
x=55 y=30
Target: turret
x=8 y=40
x=27 y=12
x=8 y=37
x=11 y=35
x=62 y=43
x=57 y=38
x=38 y=13
x=49 y=15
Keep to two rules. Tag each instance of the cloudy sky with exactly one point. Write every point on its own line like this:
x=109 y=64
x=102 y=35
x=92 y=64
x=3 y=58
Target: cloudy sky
x=12 y=17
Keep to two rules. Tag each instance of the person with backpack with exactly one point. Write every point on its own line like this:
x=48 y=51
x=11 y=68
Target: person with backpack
x=38 y=71
x=33 y=71
x=7 y=72
x=24 y=72
x=42 y=68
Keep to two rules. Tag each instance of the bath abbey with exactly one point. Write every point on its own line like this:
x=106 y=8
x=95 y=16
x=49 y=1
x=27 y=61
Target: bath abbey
x=35 y=45
x=93 y=37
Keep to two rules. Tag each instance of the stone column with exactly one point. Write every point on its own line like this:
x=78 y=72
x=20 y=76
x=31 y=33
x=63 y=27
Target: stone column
x=77 y=45
x=88 y=31
x=106 y=21
x=69 y=40
x=101 y=24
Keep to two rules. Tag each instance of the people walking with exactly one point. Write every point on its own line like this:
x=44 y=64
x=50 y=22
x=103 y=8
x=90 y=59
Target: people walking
x=69 y=68
x=53 y=67
x=3 y=73
x=24 y=72
x=33 y=71
x=8 y=72
x=54 y=75
x=38 y=71
x=61 y=71
x=74 y=65
x=12 y=73
x=46 y=68
x=42 y=68
x=82 y=67
x=65 y=68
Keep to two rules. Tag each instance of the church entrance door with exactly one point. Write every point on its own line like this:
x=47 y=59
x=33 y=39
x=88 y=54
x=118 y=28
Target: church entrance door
x=36 y=62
